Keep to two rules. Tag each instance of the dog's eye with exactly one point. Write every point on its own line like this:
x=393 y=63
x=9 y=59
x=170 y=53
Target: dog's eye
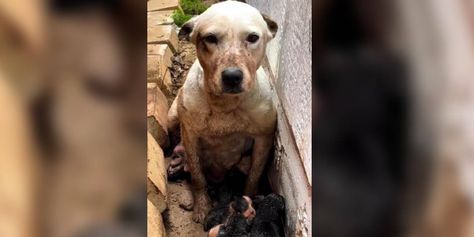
x=252 y=38
x=212 y=39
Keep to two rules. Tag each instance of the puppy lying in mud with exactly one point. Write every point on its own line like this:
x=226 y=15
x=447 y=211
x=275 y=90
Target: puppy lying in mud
x=224 y=108
x=237 y=226
x=266 y=222
x=219 y=214
x=227 y=197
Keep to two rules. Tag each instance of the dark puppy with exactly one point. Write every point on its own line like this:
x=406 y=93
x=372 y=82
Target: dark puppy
x=269 y=212
x=222 y=195
x=240 y=205
x=237 y=225
x=232 y=186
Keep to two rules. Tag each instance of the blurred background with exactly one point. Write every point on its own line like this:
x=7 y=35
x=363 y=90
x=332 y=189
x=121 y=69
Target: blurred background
x=393 y=94
x=72 y=121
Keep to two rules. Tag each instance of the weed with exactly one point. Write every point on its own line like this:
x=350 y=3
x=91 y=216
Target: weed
x=193 y=7
x=180 y=17
x=187 y=10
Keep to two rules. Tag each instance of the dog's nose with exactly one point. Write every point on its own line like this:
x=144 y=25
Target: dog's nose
x=232 y=76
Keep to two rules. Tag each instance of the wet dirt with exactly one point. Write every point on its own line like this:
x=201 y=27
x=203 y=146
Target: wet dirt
x=178 y=222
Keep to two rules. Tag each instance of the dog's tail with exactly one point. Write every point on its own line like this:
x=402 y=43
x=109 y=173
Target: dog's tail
x=173 y=121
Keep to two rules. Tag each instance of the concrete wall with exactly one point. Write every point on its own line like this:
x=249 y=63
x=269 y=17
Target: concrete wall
x=289 y=57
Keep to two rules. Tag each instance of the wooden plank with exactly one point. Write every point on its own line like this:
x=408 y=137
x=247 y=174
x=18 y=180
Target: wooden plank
x=18 y=164
x=157 y=111
x=155 y=226
x=155 y=196
x=159 y=18
x=159 y=5
x=159 y=59
x=163 y=34
x=156 y=169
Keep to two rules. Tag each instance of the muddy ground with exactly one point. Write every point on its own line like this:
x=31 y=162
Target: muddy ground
x=178 y=222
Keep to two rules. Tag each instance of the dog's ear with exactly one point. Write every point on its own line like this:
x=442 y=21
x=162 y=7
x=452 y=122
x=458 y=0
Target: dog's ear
x=185 y=33
x=272 y=25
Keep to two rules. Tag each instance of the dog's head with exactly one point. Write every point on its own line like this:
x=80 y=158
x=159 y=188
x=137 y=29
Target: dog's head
x=230 y=39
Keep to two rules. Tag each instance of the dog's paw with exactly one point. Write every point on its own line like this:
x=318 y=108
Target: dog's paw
x=201 y=208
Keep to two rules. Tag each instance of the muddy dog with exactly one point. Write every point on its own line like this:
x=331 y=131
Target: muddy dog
x=224 y=108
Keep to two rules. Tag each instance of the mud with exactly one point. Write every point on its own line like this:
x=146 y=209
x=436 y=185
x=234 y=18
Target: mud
x=178 y=222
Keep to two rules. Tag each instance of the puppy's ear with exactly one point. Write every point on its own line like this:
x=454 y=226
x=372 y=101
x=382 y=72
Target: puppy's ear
x=272 y=25
x=186 y=31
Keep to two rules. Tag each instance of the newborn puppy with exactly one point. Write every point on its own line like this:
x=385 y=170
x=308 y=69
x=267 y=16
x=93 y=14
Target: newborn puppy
x=240 y=205
x=237 y=225
x=177 y=168
x=222 y=195
x=269 y=211
x=231 y=187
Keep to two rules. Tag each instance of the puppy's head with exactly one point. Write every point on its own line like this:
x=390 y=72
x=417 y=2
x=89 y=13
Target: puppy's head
x=230 y=39
x=242 y=205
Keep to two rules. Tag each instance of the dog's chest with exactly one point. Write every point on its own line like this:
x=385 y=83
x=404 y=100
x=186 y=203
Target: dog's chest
x=223 y=124
x=223 y=151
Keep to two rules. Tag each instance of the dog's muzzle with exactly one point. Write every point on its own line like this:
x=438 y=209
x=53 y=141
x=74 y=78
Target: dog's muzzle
x=232 y=78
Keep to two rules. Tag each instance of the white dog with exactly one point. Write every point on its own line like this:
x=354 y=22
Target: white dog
x=224 y=108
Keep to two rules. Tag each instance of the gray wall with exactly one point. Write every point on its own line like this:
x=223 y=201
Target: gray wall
x=289 y=56
x=290 y=60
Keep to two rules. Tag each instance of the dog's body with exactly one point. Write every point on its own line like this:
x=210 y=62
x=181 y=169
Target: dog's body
x=225 y=135
x=221 y=121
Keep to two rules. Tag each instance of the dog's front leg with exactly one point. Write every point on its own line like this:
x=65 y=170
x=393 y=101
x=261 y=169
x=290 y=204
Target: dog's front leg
x=261 y=149
x=201 y=201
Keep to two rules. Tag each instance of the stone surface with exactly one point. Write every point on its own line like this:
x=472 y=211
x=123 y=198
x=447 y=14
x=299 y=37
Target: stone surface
x=156 y=173
x=155 y=226
x=158 y=5
x=157 y=110
x=163 y=34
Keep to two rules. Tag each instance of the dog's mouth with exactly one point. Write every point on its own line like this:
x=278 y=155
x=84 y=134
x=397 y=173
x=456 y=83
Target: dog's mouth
x=232 y=90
